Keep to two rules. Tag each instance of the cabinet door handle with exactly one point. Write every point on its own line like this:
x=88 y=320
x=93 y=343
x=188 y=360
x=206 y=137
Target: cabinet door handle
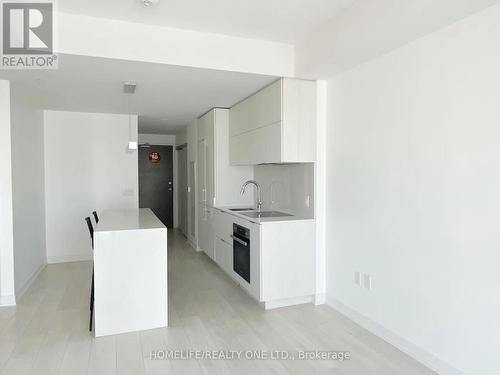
x=239 y=241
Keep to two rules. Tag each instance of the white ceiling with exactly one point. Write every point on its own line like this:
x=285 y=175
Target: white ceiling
x=329 y=36
x=274 y=20
x=167 y=97
x=370 y=28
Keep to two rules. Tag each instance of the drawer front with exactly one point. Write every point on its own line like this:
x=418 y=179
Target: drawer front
x=223 y=225
x=224 y=255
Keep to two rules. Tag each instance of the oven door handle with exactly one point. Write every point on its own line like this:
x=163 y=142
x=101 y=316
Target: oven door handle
x=239 y=241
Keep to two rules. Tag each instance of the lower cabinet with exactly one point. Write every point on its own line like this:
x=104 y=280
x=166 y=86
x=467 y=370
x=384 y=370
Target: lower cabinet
x=210 y=249
x=206 y=236
x=224 y=254
x=282 y=258
x=223 y=226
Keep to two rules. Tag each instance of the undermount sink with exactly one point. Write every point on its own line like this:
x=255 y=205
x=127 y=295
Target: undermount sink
x=256 y=214
x=241 y=209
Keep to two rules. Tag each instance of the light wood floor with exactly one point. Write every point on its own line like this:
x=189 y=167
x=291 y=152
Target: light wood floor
x=47 y=333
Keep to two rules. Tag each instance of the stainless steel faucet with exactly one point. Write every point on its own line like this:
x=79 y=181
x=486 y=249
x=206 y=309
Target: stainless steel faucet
x=257 y=186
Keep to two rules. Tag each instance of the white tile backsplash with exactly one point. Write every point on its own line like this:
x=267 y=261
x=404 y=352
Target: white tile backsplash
x=288 y=187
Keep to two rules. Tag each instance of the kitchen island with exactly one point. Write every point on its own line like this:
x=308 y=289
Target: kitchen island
x=130 y=272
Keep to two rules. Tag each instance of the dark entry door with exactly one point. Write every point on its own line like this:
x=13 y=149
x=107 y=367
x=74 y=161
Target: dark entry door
x=156 y=187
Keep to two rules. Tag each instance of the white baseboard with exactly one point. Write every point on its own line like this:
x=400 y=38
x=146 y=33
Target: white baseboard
x=6 y=301
x=23 y=288
x=399 y=342
x=276 y=304
x=69 y=258
x=191 y=243
x=319 y=299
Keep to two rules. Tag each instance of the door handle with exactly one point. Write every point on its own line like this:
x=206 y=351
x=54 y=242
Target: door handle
x=241 y=242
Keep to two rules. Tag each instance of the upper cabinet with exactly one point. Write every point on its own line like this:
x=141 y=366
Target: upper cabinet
x=275 y=125
x=218 y=182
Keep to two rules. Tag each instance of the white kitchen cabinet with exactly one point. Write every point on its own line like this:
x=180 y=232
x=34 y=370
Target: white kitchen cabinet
x=288 y=271
x=205 y=241
x=206 y=235
x=202 y=179
x=262 y=145
x=218 y=182
x=224 y=254
x=206 y=189
x=223 y=225
x=275 y=125
x=223 y=229
x=210 y=236
x=282 y=258
x=206 y=183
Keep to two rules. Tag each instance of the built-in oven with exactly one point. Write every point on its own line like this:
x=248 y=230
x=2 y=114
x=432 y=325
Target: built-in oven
x=241 y=251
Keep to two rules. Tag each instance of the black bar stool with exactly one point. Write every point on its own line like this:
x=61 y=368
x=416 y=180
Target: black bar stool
x=91 y=231
x=95 y=216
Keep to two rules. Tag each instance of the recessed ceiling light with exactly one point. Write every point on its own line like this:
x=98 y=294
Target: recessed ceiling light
x=148 y=3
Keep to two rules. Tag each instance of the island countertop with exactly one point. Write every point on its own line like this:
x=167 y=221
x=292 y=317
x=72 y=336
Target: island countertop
x=128 y=219
x=130 y=272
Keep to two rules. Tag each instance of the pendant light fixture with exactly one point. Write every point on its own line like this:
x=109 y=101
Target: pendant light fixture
x=129 y=89
x=148 y=3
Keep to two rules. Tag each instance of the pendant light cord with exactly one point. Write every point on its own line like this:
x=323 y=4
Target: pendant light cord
x=129 y=119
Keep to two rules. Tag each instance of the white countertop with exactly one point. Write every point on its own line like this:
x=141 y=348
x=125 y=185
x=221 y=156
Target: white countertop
x=263 y=220
x=128 y=219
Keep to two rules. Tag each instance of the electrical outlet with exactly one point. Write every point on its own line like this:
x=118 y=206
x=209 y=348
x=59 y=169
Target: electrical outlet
x=357 y=278
x=367 y=281
x=308 y=201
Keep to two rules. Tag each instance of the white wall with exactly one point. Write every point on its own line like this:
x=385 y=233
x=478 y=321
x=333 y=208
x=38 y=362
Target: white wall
x=286 y=187
x=157 y=139
x=87 y=167
x=27 y=190
x=368 y=29
x=414 y=195
x=181 y=137
x=165 y=45
x=7 y=296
